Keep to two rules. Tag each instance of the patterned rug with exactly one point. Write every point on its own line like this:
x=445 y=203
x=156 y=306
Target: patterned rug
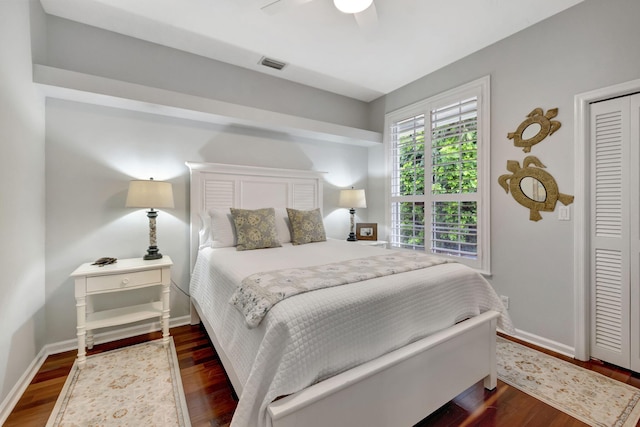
x=138 y=385
x=586 y=395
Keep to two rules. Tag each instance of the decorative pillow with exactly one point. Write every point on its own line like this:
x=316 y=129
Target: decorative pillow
x=205 y=230
x=222 y=228
x=306 y=226
x=255 y=229
x=282 y=225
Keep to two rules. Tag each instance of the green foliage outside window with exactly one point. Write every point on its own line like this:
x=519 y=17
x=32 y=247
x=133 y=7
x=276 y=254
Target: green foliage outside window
x=454 y=171
x=412 y=182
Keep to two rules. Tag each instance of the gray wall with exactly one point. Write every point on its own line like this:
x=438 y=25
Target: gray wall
x=92 y=152
x=591 y=45
x=86 y=49
x=22 y=293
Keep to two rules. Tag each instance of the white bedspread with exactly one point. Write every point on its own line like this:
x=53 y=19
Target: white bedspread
x=312 y=336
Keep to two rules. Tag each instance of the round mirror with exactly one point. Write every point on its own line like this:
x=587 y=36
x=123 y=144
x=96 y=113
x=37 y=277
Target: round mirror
x=531 y=131
x=533 y=189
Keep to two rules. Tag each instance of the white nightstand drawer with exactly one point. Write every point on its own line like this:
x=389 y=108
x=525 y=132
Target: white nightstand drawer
x=122 y=281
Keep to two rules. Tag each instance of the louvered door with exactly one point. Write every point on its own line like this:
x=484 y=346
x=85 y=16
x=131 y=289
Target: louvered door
x=614 y=317
x=634 y=228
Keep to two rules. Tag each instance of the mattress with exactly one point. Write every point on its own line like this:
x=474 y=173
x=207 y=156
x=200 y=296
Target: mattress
x=315 y=335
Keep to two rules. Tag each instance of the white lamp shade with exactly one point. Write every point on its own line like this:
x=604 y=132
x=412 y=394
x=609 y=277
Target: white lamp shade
x=150 y=194
x=352 y=6
x=352 y=199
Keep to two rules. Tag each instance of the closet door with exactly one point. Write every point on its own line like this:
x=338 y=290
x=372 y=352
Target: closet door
x=609 y=251
x=634 y=228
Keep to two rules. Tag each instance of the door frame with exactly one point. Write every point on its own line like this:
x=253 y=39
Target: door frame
x=581 y=226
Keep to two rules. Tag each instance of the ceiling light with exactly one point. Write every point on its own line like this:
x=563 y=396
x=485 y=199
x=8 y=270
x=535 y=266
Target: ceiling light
x=352 y=6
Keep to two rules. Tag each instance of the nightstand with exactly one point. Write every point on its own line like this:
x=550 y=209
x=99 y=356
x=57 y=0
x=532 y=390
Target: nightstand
x=124 y=275
x=376 y=243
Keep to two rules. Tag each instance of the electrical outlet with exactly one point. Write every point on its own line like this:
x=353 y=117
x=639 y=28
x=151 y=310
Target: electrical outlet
x=505 y=301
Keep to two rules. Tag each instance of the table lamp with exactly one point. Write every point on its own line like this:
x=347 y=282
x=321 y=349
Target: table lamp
x=150 y=194
x=352 y=199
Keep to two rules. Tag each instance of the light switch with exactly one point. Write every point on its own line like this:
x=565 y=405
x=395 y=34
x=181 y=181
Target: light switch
x=564 y=214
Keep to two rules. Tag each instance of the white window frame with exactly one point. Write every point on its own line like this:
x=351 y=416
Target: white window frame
x=479 y=88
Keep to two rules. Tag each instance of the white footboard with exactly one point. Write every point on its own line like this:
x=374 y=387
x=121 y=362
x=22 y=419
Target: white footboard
x=402 y=387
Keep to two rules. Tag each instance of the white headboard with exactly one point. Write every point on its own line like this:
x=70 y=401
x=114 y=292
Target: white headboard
x=216 y=185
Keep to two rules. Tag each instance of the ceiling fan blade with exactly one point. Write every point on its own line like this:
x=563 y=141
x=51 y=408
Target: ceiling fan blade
x=276 y=6
x=367 y=19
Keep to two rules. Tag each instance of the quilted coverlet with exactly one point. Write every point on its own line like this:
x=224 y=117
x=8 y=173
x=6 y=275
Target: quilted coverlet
x=315 y=335
x=261 y=291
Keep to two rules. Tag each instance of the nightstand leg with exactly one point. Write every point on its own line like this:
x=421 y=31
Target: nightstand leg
x=88 y=310
x=81 y=332
x=165 y=313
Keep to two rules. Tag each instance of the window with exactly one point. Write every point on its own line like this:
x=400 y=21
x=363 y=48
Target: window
x=439 y=171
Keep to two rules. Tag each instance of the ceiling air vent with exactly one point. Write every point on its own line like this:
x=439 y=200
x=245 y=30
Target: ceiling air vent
x=272 y=63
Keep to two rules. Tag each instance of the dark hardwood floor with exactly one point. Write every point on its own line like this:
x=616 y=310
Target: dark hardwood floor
x=211 y=401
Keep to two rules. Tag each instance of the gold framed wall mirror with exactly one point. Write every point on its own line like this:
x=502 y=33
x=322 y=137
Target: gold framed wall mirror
x=533 y=187
x=536 y=127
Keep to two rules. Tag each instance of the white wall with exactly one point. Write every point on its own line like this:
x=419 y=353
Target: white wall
x=22 y=296
x=591 y=45
x=91 y=154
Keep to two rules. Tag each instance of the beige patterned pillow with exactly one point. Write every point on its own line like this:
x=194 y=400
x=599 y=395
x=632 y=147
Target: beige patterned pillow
x=306 y=226
x=255 y=229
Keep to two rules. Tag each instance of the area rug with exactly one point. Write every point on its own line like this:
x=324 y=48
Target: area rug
x=590 y=397
x=138 y=385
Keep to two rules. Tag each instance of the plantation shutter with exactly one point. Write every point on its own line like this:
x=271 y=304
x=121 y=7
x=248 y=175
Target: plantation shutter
x=610 y=290
x=454 y=172
x=439 y=158
x=407 y=182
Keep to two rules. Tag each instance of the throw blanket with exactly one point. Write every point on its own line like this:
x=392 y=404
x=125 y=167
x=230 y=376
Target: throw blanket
x=259 y=292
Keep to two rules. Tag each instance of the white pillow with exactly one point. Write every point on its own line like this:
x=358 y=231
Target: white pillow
x=283 y=226
x=223 y=232
x=205 y=230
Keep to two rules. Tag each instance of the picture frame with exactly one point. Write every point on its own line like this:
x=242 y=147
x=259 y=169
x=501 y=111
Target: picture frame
x=367 y=231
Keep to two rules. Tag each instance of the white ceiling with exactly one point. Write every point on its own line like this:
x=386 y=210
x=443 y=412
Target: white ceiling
x=322 y=47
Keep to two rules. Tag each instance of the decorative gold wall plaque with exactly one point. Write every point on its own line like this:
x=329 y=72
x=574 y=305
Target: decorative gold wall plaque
x=532 y=187
x=525 y=137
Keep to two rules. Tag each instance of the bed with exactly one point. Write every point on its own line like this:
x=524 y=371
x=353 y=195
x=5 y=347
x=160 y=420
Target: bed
x=385 y=351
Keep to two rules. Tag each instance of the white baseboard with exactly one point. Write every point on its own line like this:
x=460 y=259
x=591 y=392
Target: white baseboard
x=16 y=392
x=118 y=334
x=18 y=389
x=545 y=343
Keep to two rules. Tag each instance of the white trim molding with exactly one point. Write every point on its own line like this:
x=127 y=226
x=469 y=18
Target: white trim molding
x=581 y=275
x=545 y=343
x=481 y=88
x=74 y=86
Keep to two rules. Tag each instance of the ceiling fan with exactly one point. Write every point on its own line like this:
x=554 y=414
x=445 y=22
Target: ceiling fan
x=364 y=11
